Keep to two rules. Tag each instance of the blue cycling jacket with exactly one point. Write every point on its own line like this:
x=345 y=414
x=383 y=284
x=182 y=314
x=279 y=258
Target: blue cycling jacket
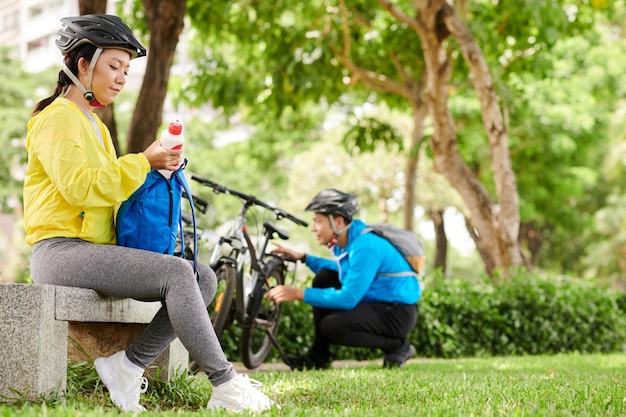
x=361 y=266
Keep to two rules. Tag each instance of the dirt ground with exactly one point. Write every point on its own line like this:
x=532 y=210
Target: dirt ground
x=266 y=367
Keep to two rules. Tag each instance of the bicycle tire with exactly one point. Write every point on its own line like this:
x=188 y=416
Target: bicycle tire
x=220 y=309
x=261 y=316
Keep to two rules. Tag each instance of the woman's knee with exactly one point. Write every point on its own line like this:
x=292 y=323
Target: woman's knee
x=180 y=272
x=207 y=281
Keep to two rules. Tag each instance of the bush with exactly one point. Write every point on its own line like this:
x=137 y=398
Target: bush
x=528 y=314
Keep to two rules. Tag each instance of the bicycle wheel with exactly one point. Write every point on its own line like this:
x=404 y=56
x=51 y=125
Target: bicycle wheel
x=220 y=309
x=221 y=306
x=262 y=316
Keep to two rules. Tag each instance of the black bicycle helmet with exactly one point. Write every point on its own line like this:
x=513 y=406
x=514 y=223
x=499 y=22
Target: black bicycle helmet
x=332 y=201
x=100 y=30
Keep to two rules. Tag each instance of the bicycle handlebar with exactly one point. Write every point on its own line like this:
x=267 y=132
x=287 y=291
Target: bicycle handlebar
x=198 y=202
x=249 y=199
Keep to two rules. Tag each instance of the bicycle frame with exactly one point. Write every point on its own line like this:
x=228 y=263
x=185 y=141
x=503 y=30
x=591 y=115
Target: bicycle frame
x=236 y=250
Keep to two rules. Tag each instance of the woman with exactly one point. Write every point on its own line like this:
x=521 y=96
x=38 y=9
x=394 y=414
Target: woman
x=73 y=184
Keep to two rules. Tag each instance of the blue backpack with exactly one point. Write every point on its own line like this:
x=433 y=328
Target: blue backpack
x=151 y=218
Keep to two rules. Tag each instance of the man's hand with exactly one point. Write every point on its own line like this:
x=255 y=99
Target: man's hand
x=283 y=293
x=287 y=253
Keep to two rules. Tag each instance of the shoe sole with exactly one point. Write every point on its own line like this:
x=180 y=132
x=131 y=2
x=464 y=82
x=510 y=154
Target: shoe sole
x=216 y=405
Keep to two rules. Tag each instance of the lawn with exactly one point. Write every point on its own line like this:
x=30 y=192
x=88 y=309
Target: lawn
x=561 y=385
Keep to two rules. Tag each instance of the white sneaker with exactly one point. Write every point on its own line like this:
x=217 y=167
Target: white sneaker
x=125 y=384
x=239 y=394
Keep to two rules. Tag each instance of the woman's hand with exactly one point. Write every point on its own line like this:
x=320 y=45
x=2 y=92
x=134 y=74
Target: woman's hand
x=287 y=253
x=161 y=158
x=282 y=293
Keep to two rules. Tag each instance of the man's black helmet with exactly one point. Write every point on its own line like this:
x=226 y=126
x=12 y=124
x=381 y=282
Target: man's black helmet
x=332 y=201
x=100 y=30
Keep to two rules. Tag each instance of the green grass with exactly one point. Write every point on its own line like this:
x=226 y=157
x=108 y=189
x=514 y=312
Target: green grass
x=562 y=385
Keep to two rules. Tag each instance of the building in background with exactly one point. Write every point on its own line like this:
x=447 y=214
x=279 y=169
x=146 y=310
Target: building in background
x=9 y=22
x=29 y=27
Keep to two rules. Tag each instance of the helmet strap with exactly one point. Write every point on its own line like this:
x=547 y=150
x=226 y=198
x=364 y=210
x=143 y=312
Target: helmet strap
x=332 y=242
x=87 y=93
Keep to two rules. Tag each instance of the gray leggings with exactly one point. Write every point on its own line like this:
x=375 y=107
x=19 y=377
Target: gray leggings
x=146 y=276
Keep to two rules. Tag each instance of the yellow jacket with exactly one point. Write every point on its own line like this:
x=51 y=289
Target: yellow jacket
x=74 y=184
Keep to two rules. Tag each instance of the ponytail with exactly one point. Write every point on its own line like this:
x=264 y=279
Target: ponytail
x=71 y=60
x=62 y=84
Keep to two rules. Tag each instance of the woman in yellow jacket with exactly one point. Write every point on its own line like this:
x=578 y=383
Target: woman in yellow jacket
x=73 y=185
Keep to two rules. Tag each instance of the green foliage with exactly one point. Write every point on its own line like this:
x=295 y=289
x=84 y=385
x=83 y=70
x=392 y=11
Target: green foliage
x=560 y=135
x=559 y=79
x=554 y=67
x=264 y=60
x=251 y=59
x=605 y=255
x=366 y=133
x=18 y=93
x=528 y=315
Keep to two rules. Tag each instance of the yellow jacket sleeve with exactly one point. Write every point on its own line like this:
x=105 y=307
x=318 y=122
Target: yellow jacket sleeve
x=74 y=182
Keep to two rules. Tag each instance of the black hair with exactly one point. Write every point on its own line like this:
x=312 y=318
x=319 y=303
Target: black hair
x=63 y=82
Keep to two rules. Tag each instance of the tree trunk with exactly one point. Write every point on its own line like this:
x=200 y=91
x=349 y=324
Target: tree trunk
x=481 y=246
x=420 y=111
x=441 y=241
x=506 y=214
x=165 y=20
x=496 y=224
x=92 y=7
x=534 y=242
x=107 y=113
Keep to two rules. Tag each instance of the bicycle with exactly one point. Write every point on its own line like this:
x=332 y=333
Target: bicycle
x=245 y=272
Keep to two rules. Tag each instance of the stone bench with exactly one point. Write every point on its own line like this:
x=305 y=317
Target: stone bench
x=41 y=326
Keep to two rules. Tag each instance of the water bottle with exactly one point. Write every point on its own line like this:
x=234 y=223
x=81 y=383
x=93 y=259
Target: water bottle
x=172 y=138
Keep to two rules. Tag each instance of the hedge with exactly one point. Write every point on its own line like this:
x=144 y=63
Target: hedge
x=528 y=314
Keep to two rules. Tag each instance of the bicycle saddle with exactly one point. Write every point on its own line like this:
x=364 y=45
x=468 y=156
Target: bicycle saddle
x=271 y=228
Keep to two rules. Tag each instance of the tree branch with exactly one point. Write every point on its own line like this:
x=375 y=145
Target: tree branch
x=370 y=79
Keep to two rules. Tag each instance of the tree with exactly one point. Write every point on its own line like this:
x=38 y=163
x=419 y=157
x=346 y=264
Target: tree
x=496 y=224
x=263 y=60
x=106 y=113
x=164 y=19
x=407 y=80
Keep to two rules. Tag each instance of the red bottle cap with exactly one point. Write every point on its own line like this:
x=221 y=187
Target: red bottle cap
x=175 y=128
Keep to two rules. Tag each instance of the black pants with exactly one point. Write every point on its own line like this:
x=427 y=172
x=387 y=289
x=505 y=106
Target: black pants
x=373 y=325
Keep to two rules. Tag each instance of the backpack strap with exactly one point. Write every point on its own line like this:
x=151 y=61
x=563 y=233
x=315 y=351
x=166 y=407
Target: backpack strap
x=368 y=229
x=400 y=274
x=183 y=181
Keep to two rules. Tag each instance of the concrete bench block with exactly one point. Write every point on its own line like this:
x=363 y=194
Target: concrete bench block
x=33 y=350
x=80 y=304
x=37 y=321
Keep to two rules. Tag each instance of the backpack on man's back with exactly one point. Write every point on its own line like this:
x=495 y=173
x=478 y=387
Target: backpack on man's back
x=405 y=241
